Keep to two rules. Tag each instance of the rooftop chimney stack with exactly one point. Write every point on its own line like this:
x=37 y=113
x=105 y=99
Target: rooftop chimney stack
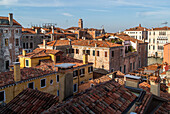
x=85 y=58
x=44 y=43
x=155 y=85
x=10 y=18
x=23 y=52
x=17 y=73
x=139 y=25
x=132 y=81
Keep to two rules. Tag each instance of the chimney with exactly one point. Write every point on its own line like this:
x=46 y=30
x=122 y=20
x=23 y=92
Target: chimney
x=89 y=42
x=10 y=18
x=132 y=81
x=37 y=31
x=139 y=25
x=168 y=87
x=65 y=81
x=52 y=28
x=44 y=43
x=95 y=44
x=69 y=41
x=23 y=52
x=17 y=73
x=85 y=58
x=155 y=85
x=80 y=23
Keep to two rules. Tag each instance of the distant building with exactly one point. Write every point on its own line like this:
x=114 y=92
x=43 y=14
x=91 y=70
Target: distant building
x=166 y=57
x=10 y=38
x=31 y=37
x=157 y=38
x=139 y=32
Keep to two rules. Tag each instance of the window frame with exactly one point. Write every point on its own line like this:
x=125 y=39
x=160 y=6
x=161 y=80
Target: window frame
x=41 y=84
x=76 y=87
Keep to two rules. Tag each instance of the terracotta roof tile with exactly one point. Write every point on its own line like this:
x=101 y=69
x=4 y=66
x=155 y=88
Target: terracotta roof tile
x=94 y=100
x=22 y=104
x=14 y=21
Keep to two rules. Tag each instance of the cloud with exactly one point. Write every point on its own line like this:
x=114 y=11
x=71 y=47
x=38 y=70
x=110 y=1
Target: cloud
x=32 y=3
x=67 y=14
x=98 y=10
x=152 y=13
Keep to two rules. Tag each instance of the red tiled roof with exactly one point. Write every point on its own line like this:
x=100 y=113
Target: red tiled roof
x=128 y=38
x=26 y=73
x=38 y=52
x=28 y=31
x=138 y=28
x=87 y=85
x=108 y=97
x=14 y=21
x=30 y=101
x=161 y=28
x=93 y=42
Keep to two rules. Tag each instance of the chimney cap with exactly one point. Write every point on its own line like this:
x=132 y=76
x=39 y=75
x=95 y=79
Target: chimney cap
x=16 y=63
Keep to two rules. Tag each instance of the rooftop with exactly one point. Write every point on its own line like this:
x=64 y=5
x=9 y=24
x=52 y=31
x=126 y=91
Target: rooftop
x=30 y=101
x=65 y=65
x=38 y=52
x=138 y=28
x=4 y=21
x=107 y=97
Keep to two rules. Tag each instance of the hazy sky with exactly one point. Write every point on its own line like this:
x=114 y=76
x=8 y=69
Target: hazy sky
x=115 y=15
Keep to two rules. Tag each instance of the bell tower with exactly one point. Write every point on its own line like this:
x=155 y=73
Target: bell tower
x=80 y=23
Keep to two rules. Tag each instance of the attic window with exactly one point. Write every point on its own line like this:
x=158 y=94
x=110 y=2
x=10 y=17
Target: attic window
x=31 y=85
x=43 y=83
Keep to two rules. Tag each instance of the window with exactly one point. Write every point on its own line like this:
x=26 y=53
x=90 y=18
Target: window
x=75 y=88
x=72 y=50
x=130 y=66
x=124 y=69
x=82 y=71
x=105 y=53
x=120 y=69
x=149 y=47
x=2 y=96
x=16 y=31
x=153 y=40
x=112 y=53
x=93 y=52
x=88 y=52
x=98 y=54
x=133 y=65
x=7 y=65
x=91 y=85
x=149 y=40
x=27 y=37
x=6 y=42
x=51 y=82
x=153 y=33
x=153 y=47
x=57 y=77
x=31 y=45
x=81 y=82
x=27 y=62
x=31 y=85
x=77 y=51
x=17 y=42
x=90 y=78
x=90 y=69
x=5 y=31
x=57 y=58
x=75 y=73
x=23 y=45
x=149 y=33
x=43 y=83
x=139 y=64
x=17 y=60
x=84 y=51
x=57 y=92
x=162 y=33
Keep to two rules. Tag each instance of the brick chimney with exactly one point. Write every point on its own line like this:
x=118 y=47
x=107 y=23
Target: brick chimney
x=17 y=73
x=23 y=52
x=155 y=85
x=139 y=25
x=44 y=44
x=132 y=81
x=10 y=18
x=85 y=58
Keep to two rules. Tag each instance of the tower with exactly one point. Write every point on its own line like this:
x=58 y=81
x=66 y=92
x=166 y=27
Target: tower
x=80 y=23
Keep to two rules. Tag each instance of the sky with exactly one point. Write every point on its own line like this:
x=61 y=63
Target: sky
x=114 y=15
